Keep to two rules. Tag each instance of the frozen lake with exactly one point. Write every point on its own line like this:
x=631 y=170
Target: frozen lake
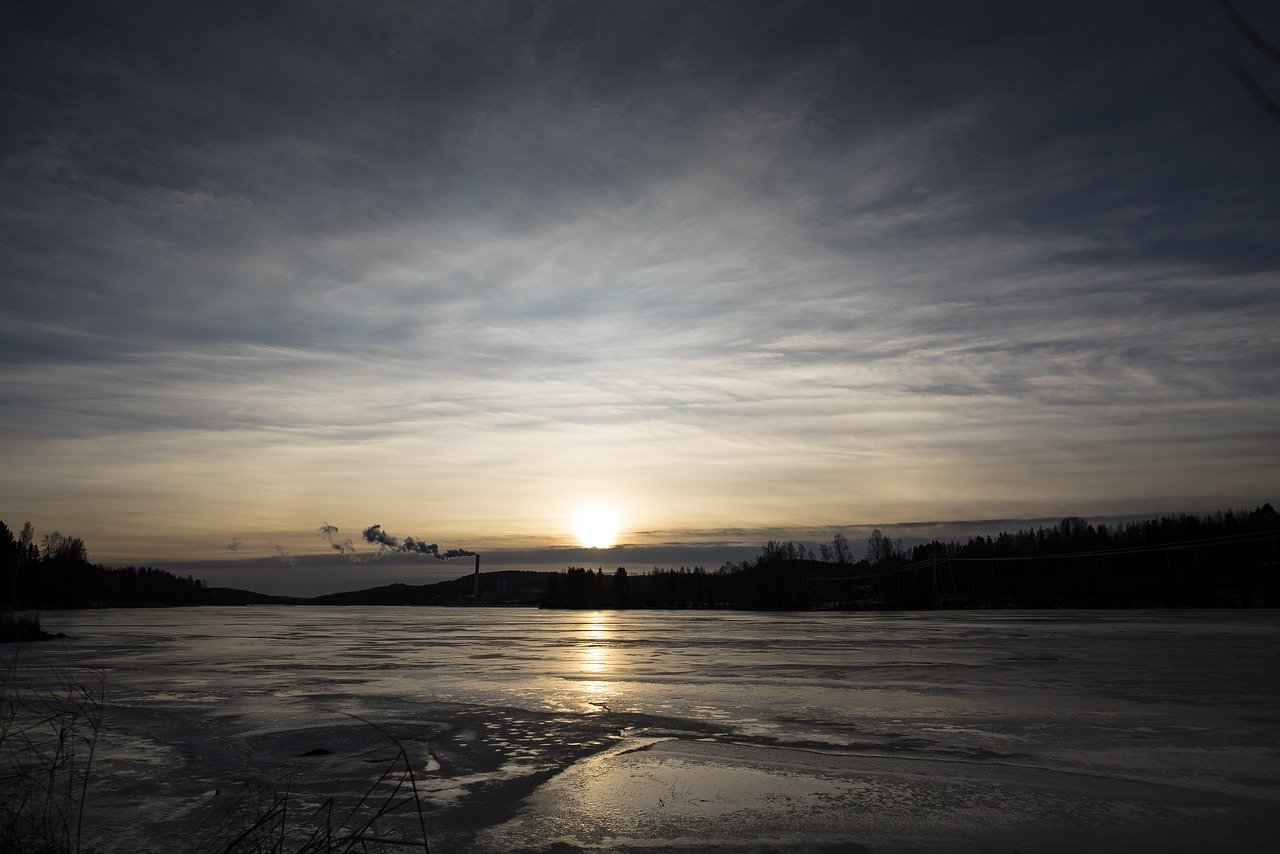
x=634 y=730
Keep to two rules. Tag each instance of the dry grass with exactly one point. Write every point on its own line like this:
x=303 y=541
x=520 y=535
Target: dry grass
x=264 y=819
x=48 y=735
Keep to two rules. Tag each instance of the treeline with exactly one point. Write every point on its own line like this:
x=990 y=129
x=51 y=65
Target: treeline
x=580 y=587
x=1228 y=559
x=54 y=572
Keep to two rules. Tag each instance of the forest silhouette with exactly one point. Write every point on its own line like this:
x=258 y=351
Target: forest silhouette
x=1227 y=559
x=55 y=572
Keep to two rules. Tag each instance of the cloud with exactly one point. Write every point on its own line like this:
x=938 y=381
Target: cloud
x=780 y=266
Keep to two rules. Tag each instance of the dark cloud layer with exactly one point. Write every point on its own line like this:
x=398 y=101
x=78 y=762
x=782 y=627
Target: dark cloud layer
x=800 y=262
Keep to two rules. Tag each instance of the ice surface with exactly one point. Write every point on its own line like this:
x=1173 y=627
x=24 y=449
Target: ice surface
x=681 y=730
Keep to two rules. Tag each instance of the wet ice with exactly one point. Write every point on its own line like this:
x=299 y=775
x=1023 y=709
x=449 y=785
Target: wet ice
x=683 y=729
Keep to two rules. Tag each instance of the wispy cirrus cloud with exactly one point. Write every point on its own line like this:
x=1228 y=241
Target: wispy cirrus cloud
x=786 y=266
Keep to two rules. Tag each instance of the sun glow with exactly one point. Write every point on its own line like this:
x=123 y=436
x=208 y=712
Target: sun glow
x=596 y=527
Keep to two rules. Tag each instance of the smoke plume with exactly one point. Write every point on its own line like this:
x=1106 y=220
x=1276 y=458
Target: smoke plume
x=374 y=535
x=284 y=557
x=344 y=547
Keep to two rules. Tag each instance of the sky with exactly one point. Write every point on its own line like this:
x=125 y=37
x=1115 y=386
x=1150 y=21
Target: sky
x=709 y=270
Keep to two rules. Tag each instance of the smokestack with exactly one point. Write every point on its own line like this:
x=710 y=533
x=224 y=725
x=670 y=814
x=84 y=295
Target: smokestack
x=409 y=545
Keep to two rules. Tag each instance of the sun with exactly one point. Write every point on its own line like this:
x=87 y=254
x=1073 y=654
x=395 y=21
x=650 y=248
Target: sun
x=596 y=527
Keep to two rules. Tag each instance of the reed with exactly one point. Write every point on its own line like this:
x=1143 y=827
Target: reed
x=48 y=737
x=266 y=818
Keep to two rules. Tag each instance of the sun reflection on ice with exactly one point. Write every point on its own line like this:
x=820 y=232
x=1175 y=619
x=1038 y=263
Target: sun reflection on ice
x=597 y=626
x=594 y=660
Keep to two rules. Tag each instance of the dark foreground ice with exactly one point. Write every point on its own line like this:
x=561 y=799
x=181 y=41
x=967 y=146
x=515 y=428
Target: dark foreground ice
x=545 y=730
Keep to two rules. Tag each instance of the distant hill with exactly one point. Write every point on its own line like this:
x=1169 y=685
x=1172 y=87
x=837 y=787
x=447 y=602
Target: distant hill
x=234 y=596
x=509 y=587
